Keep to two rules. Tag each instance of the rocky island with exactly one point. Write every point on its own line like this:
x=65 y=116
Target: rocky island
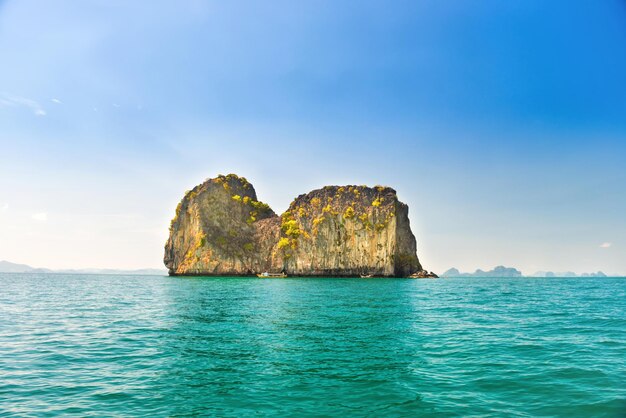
x=222 y=229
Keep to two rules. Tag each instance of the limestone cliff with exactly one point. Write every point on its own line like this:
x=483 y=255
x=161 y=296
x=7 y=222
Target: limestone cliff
x=220 y=228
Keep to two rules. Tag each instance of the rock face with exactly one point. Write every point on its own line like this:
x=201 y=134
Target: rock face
x=220 y=228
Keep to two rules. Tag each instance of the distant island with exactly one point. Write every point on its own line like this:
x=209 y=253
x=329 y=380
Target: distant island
x=8 y=267
x=222 y=229
x=567 y=274
x=501 y=271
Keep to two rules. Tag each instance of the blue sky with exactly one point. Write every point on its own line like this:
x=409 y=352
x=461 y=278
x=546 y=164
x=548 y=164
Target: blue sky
x=501 y=124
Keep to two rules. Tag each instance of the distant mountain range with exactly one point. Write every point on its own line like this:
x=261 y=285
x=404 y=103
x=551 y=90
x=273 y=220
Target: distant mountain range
x=8 y=267
x=567 y=274
x=501 y=271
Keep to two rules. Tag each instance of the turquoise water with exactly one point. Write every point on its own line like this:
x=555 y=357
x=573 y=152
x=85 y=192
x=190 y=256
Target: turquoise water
x=159 y=346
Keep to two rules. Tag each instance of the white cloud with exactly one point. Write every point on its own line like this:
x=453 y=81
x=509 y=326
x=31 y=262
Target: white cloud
x=57 y=101
x=42 y=216
x=7 y=100
x=605 y=245
x=4 y=207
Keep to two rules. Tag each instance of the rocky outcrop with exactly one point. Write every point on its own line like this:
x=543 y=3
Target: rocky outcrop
x=220 y=228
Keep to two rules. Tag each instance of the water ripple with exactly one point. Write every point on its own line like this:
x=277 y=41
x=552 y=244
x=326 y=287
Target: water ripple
x=160 y=346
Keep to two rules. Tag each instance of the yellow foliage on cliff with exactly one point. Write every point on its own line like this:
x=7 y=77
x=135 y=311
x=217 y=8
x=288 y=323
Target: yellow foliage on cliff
x=282 y=243
x=291 y=228
x=260 y=206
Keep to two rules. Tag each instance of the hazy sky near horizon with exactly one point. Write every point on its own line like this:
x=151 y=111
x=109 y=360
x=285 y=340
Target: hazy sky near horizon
x=501 y=124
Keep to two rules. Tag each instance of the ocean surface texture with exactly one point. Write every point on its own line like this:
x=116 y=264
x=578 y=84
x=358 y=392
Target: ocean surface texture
x=89 y=345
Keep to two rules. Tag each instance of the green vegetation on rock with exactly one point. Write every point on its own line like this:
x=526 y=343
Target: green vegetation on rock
x=221 y=228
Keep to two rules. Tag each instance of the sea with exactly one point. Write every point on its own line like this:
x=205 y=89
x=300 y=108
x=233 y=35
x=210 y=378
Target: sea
x=158 y=346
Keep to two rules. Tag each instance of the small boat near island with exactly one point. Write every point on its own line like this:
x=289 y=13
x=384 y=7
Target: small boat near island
x=366 y=276
x=423 y=274
x=266 y=275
